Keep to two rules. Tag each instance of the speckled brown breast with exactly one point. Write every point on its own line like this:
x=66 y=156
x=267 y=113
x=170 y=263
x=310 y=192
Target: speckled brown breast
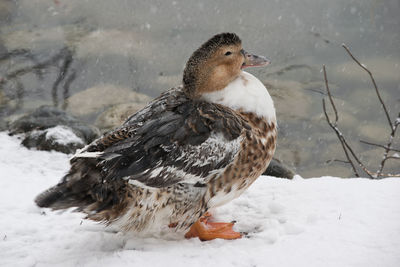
x=257 y=149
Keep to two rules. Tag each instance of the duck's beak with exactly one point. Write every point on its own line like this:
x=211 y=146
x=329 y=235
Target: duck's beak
x=251 y=60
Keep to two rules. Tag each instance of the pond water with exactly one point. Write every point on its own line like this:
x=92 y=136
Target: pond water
x=53 y=50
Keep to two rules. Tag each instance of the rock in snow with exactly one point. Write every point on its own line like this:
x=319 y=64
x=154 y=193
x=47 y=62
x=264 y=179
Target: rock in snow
x=278 y=169
x=49 y=128
x=301 y=222
x=59 y=138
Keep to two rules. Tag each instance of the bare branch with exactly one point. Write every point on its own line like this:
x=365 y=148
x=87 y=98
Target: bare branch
x=329 y=94
x=390 y=175
x=370 y=174
x=339 y=135
x=378 y=145
x=333 y=126
x=389 y=145
x=392 y=157
x=349 y=152
x=338 y=160
x=393 y=125
x=346 y=147
x=373 y=81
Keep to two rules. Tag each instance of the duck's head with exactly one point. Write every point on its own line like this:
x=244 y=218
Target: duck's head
x=217 y=63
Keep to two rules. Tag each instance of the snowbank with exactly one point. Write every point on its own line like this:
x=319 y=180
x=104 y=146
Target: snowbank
x=314 y=222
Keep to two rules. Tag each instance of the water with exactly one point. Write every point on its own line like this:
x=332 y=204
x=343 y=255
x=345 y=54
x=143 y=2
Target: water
x=143 y=46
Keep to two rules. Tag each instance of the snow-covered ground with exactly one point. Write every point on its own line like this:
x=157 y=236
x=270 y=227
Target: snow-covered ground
x=314 y=222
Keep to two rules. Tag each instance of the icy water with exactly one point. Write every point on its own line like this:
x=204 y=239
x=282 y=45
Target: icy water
x=52 y=50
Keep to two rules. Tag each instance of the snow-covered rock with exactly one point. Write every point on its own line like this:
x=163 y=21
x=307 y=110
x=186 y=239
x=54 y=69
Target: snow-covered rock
x=59 y=138
x=49 y=128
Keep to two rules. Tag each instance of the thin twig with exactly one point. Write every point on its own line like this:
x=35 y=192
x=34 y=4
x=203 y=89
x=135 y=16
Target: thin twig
x=338 y=160
x=334 y=125
x=362 y=166
x=315 y=91
x=329 y=94
x=346 y=147
x=392 y=157
x=393 y=126
x=383 y=175
x=373 y=81
x=389 y=145
x=378 y=145
x=339 y=135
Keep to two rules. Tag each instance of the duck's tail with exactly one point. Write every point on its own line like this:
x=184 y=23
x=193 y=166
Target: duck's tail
x=74 y=190
x=62 y=197
x=51 y=196
x=83 y=189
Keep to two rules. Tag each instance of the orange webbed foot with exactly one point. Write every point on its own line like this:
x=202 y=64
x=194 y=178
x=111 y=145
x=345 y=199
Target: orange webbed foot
x=206 y=230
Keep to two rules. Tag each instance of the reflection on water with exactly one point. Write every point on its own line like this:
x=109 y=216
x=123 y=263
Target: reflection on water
x=52 y=50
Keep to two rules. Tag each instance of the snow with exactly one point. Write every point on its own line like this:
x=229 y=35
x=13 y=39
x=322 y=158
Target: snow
x=324 y=221
x=63 y=135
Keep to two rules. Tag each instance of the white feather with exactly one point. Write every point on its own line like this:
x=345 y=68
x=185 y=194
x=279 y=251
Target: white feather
x=139 y=184
x=246 y=93
x=221 y=198
x=86 y=154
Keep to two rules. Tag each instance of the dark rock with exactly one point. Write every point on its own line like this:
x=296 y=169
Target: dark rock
x=46 y=117
x=49 y=128
x=278 y=169
x=59 y=138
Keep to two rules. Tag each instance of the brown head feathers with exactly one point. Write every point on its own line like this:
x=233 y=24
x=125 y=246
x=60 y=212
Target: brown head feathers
x=193 y=69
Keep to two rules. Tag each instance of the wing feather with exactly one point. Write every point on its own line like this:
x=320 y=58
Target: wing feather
x=171 y=140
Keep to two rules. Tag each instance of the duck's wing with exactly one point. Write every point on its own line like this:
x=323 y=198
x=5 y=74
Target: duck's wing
x=171 y=140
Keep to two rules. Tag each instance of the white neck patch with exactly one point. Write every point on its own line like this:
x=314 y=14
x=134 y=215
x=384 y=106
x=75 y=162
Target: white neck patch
x=246 y=93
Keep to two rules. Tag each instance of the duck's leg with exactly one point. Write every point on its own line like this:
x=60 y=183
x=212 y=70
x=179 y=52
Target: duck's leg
x=205 y=230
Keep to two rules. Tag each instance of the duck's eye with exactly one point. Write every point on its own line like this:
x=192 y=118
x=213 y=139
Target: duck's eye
x=228 y=53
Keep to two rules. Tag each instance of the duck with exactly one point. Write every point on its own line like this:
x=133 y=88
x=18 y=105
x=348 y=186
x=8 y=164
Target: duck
x=192 y=149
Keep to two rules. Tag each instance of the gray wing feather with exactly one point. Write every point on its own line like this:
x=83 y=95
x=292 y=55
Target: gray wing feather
x=171 y=140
